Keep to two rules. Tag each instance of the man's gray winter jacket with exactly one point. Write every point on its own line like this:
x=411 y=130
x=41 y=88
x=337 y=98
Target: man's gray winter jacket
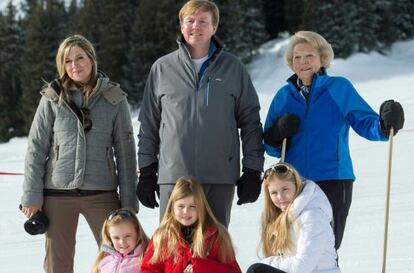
x=191 y=126
x=61 y=155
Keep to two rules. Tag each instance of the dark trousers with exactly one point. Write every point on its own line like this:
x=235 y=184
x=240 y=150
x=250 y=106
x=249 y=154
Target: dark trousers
x=339 y=193
x=263 y=268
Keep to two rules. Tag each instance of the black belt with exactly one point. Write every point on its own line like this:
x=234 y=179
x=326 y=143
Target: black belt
x=73 y=192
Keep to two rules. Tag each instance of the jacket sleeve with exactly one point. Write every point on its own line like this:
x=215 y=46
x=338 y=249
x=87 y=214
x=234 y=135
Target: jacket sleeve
x=362 y=118
x=38 y=145
x=313 y=239
x=248 y=120
x=212 y=264
x=272 y=115
x=146 y=266
x=150 y=119
x=125 y=156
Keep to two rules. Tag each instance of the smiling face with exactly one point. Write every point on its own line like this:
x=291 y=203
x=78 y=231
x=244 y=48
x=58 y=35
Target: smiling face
x=78 y=65
x=197 y=30
x=123 y=237
x=185 y=211
x=281 y=192
x=306 y=62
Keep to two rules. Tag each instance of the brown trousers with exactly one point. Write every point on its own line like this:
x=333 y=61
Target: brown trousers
x=63 y=213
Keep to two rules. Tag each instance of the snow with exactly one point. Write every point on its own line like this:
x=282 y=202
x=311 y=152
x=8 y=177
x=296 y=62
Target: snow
x=377 y=78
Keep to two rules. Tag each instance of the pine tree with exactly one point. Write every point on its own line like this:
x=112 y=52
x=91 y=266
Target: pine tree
x=44 y=30
x=153 y=35
x=115 y=36
x=241 y=27
x=274 y=17
x=10 y=87
x=396 y=21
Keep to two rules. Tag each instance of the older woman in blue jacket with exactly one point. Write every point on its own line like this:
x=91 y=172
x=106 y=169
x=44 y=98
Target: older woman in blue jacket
x=314 y=112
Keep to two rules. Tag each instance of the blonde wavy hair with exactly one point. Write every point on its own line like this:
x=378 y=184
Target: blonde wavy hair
x=168 y=237
x=275 y=235
x=65 y=80
x=316 y=41
x=115 y=218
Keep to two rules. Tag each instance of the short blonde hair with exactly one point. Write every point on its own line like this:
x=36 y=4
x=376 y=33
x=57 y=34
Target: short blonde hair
x=193 y=6
x=316 y=41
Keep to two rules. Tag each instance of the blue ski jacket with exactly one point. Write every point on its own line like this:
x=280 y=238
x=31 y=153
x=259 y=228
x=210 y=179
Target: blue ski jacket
x=319 y=150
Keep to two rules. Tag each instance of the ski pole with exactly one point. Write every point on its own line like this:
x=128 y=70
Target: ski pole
x=282 y=153
x=387 y=200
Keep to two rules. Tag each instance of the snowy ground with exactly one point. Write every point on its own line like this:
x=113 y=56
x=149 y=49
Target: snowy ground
x=377 y=78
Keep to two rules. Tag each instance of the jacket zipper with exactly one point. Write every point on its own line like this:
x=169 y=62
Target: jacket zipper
x=56 y=149
x=110 y=164
x=206 y=95
x=84 y=139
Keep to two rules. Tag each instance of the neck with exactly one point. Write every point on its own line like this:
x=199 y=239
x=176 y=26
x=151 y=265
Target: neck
x=198 y=52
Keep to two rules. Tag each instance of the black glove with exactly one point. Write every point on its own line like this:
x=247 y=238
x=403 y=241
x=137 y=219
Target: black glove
x=284 y=127
x=392 y=115
x=248 y=186
x=147 y=186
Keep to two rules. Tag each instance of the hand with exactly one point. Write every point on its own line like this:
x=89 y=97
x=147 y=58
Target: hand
x=189 y=269
x=249 y=186
x=392 y=115
x=284 y=127
x=147 y=186
x=29 y=211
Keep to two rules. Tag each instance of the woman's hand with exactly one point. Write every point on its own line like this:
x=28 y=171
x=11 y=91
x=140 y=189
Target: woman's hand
x=29 y=211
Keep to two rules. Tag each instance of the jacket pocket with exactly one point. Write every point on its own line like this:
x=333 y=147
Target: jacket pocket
x=55 y=157
x=111 y=165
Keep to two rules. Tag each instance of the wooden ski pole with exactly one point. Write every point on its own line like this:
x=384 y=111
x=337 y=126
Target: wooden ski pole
x=283 y=152
x=387 y=200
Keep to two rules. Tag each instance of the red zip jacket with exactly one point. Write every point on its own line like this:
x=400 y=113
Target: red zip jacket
x=184 y=257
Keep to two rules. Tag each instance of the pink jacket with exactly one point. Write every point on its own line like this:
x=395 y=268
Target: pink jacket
x=114 y=262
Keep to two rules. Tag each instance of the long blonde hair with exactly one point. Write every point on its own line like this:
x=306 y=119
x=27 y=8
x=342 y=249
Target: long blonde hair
x=65 y=80
x=168 y=237
x=115 y=218
x=275 y=237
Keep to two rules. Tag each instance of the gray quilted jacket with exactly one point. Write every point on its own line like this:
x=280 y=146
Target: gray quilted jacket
x=61 y=155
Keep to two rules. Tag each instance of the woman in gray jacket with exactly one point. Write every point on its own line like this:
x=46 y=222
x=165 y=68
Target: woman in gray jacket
x=81 y=152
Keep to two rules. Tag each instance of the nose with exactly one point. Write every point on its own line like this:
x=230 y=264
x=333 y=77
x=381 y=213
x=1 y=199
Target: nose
x=303 y=60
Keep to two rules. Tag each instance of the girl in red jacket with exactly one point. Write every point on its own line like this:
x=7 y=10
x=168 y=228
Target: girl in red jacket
x=123 y=243
x=189 y=238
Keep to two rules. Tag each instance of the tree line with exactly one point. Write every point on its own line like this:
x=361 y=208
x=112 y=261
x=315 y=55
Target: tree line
x=129 y=35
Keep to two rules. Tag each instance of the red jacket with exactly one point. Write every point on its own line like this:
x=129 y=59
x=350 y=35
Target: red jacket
x=184 y=257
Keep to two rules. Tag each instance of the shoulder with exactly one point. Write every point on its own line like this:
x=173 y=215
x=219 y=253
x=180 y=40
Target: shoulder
x=49 y=93
x=336 y=81
x=167 y=59
x=114 y=94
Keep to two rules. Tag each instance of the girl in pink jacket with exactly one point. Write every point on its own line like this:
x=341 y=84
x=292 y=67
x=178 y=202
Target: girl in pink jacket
x=123 y=244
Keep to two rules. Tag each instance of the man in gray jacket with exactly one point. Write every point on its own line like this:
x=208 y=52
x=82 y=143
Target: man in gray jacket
x=196 y=99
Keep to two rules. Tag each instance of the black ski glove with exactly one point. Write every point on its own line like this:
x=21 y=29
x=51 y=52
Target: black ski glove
x=284 y=127
x=248 y=186
x=147 y=186
x=392 y=115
